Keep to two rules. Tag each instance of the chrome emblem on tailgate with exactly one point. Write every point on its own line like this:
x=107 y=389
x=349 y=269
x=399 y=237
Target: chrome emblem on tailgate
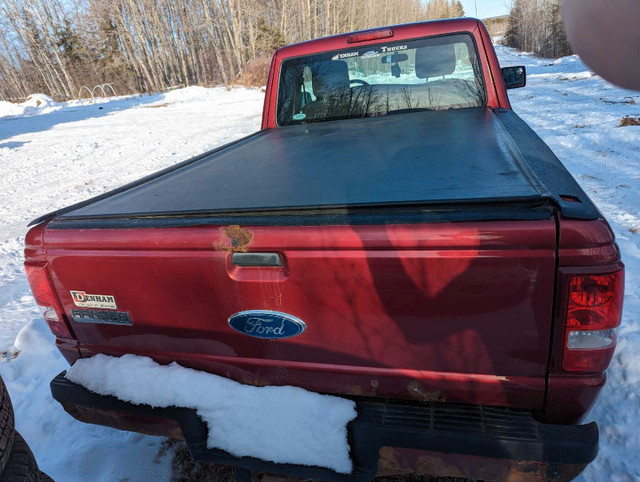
x=267 y=324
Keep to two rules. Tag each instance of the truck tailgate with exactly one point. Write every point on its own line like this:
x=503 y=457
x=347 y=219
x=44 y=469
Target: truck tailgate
x=456 y=312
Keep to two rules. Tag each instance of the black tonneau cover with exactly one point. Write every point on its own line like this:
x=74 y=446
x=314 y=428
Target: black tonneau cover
x=437 y=158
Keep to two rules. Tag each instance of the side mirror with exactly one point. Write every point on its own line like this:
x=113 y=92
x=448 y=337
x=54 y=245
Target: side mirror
x=514 y=77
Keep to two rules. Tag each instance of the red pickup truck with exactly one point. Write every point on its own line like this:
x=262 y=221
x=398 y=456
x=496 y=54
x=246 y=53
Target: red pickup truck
x=395 y=234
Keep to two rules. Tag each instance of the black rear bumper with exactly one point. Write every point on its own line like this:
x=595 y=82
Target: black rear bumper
x=468 y=430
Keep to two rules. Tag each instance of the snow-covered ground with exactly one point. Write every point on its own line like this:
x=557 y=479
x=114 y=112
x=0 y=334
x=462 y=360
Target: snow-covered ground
x=55 y=154
x=577 y=114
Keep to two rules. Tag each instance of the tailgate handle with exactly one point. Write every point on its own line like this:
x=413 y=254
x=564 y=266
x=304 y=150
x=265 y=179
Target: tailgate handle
x=256 y=259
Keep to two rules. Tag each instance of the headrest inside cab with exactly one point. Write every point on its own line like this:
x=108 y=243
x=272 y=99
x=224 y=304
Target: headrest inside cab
x=330 y=77
x=435 y=60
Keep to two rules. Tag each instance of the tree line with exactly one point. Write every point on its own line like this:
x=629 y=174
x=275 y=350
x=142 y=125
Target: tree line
x=57 y=46
x=536 y=26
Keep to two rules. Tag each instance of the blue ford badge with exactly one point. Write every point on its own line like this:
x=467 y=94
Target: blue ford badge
x=266 y=324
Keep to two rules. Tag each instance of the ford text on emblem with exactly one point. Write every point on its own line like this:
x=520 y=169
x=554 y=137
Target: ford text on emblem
x=266 y=324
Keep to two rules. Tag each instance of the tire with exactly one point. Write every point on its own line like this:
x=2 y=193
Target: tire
x=7 y=430
x=22 y=466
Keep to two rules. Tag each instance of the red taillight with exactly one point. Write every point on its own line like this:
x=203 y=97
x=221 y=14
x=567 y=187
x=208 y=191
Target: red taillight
x=46 y=300
x=370 y=35
x=594 y=310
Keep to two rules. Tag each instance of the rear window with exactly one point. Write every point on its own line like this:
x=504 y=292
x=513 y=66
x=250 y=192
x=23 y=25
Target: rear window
x=425 y=74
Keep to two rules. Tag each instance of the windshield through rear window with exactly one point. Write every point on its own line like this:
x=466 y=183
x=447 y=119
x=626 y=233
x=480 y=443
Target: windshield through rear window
x=425 y=74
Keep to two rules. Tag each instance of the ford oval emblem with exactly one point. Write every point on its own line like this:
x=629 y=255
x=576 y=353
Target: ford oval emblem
x=267 y=324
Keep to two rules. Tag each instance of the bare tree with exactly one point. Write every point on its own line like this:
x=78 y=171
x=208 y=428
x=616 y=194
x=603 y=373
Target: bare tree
x=56 y=46
x=536 y=26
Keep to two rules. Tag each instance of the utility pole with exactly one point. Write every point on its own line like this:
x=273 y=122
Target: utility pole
x=476 y=4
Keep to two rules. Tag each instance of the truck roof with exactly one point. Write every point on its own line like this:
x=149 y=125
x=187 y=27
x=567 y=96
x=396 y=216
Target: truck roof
x=400 y=32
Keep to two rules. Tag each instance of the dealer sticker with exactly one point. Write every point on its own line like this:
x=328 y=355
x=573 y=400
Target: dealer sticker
x=85 y=300
x=345 y=55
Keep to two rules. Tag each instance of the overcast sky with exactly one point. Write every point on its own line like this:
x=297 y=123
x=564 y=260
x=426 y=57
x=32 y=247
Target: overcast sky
x=486 y=8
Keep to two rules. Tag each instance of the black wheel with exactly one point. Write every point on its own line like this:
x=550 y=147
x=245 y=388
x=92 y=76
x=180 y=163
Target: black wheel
x=22 y=466
x=7 y=430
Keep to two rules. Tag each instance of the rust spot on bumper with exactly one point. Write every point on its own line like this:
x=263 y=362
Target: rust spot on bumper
x=254 y=382
x=132 y=422
x=234 y=239
x=418 y=392
x=394 y=461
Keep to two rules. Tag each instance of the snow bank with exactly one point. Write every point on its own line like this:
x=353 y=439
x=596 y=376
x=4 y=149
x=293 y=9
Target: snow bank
x=35 y=104
x=279 y=424
x=41 y=101
x=8 y=108
x=220 y=94
x=188 y=94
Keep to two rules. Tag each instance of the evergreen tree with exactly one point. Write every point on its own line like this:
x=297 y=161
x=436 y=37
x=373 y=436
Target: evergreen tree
x=457 y=10
x=512 y=37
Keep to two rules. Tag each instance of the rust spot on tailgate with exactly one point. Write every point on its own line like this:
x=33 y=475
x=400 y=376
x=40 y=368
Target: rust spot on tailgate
x=418 y=392
x=354 y=390
x=234 y=239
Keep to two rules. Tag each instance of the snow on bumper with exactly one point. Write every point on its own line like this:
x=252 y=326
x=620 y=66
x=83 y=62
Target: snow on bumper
x=279 y=424
x=477 y=441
